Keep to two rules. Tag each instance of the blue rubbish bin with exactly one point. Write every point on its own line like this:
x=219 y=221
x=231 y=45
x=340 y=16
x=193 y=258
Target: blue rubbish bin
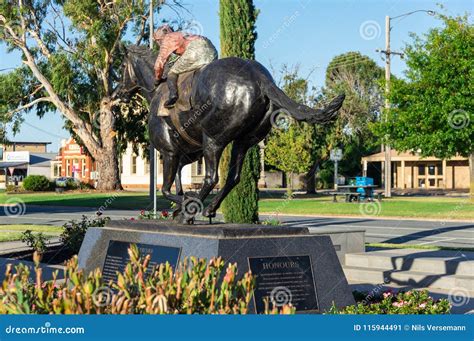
x=364 y=181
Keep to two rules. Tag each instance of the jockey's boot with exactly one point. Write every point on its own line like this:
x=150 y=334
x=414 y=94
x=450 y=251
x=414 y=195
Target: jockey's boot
x=172 y=83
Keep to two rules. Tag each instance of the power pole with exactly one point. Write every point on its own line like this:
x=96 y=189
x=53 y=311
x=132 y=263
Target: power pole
x=388 y=53
x=153 y=153
x=388 y=158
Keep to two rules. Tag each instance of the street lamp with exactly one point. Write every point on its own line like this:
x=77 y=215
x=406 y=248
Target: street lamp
x=388 y=53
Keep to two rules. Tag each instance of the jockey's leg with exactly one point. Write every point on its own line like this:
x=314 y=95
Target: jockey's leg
x=172 y=83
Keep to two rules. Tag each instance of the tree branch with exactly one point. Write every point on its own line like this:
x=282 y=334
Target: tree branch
x=29 y=105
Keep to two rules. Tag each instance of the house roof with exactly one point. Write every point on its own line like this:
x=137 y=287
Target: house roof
x=42 y=159
x=13 y=164
x=406 y=156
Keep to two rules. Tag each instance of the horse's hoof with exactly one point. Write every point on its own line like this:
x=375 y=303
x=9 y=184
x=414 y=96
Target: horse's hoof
x=209 y=214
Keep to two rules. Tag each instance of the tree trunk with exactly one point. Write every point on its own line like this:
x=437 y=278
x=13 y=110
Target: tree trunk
x=471 y=175
x=107 y=156
x=310 y=179
x=107 y=167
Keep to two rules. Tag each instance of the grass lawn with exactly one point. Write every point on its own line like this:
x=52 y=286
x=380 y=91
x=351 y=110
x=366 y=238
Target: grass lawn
x=14 y=232
x=409 y=207
x=118 y=200
x=420 y=207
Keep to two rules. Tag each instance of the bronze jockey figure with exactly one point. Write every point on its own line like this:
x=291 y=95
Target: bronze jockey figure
x=195 y=51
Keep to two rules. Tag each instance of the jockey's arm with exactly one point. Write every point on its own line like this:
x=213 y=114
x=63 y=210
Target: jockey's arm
x=167 y=47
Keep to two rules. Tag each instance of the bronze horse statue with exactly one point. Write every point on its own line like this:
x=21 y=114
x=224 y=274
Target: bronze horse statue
x=232 y=100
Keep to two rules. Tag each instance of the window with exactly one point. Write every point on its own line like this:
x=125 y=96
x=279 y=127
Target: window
x=421 y=170
x=432 y=182
x=1 y=153
x=83 y=168
x=147 y=166
x=68 y=167
x=134 y=164
x=199 y=170
x=421 y=183
x=431 y=170
x=57 y=170
x=440 y=169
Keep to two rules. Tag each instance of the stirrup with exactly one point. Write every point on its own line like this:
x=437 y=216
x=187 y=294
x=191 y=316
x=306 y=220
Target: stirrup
x=171 y=102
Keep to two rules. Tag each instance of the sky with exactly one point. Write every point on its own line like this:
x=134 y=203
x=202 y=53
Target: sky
x=308 y=33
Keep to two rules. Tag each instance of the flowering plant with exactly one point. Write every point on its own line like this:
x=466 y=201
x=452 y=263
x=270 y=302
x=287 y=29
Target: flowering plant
x=410 y=302
x=150 y=215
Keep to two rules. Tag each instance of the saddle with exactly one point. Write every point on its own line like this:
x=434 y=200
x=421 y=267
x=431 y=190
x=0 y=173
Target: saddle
x=185 y=85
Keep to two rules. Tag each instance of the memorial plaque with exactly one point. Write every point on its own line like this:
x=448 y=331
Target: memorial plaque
x=117 y=257
x=284 y=280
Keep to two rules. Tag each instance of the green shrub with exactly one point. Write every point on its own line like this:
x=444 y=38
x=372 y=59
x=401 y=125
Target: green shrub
x=37 y=241
x=85 y=186
x=410 y=302
x=74 y=231
x=36 y=183
x=71 y=184
x=196 y=287
x=13 y=188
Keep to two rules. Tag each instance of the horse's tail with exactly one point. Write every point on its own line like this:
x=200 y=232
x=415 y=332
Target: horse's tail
x=302 y=112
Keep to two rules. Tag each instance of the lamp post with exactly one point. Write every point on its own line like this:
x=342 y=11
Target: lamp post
x=153 y=153
x=388 y=52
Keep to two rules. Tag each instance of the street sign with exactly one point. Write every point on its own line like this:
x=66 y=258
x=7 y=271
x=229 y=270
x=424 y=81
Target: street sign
x=336 y=154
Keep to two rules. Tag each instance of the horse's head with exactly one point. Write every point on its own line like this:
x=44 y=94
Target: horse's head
x=137 y=72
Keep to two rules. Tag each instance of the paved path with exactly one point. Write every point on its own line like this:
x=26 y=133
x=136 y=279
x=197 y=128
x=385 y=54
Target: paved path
x=425 y=232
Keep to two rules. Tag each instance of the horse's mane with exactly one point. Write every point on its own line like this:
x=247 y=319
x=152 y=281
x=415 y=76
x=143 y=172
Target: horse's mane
x=143 y=53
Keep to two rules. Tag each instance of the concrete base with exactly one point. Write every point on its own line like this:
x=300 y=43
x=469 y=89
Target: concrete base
x=345 y=239
x=241 y=244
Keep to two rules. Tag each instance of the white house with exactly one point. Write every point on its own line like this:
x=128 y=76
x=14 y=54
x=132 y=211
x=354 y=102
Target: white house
x=135 y=171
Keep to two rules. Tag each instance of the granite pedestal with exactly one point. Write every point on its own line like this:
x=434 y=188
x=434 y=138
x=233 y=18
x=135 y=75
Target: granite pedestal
x=289 y=263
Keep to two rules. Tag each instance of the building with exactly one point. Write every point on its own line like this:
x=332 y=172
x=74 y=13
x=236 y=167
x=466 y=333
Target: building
x=135 y=171
x=72 y=161
x=20 y=159
x=411 y=171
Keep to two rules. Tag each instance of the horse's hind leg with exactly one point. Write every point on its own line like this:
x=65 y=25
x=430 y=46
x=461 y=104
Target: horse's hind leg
x=170 y=167
x=239 y=150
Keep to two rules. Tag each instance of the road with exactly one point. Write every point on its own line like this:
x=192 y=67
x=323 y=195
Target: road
x=453 y=234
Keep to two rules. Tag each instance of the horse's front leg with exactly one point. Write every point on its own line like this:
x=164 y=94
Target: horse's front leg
x=170 y=168
x=178 y=182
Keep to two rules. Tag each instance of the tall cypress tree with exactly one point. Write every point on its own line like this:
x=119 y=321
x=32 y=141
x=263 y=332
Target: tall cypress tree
x=238 y=35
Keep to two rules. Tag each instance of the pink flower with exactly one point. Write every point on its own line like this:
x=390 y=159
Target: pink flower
x=387 y=294
x=132 y=218
x=399 y=304
x=422 y=305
